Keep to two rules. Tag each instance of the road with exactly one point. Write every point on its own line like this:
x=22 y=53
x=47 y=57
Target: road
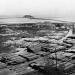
x=68 y=34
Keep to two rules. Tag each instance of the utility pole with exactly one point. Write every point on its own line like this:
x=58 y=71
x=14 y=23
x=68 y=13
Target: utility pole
x=56 y=57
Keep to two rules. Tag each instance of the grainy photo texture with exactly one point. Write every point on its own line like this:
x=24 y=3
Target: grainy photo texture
x=37 y=37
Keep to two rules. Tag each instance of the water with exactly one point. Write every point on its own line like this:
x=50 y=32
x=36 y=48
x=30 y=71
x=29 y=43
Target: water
x=25 y=20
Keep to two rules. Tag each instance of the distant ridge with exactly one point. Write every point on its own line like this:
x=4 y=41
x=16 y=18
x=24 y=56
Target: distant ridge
x=32 y=17
x=57 y=19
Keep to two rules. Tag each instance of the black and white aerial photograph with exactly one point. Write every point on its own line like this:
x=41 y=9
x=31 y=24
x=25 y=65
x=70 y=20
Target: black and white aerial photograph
x=37 y=37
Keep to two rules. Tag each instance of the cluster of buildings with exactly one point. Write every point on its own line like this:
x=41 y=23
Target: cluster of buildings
x=40 y=24
x=30 y=53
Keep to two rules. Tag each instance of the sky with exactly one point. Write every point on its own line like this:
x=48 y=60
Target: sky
x=39 y=8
